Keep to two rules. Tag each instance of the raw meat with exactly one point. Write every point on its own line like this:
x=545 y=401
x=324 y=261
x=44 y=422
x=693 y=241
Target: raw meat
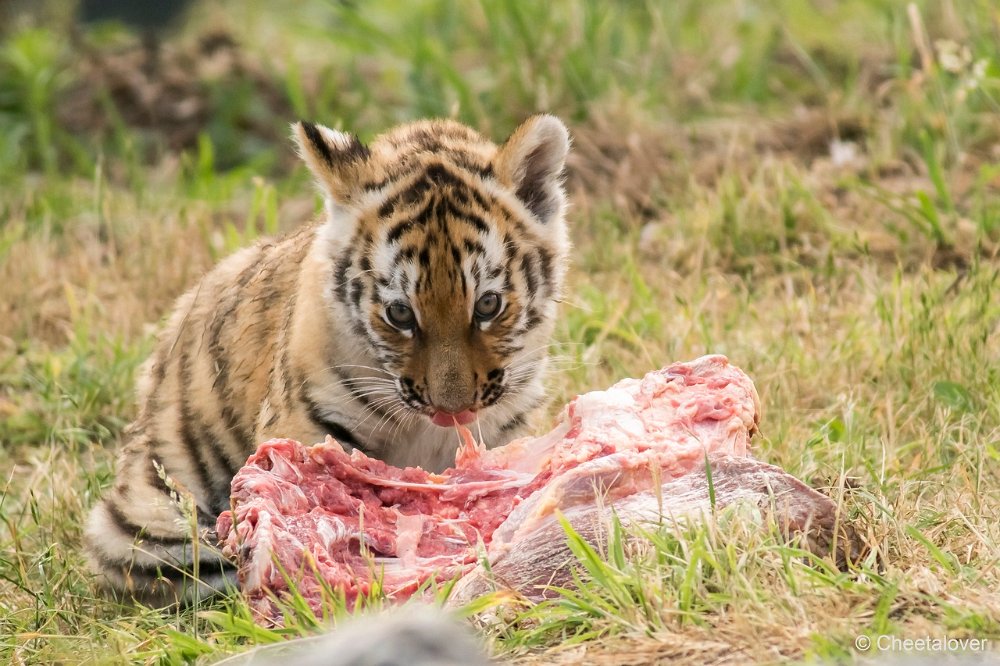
x=338 y=523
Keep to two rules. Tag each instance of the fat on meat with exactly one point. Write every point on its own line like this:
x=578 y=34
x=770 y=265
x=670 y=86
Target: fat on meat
x=330 y=522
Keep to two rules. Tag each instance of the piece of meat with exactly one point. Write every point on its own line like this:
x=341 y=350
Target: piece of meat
x=338 y=523
x=541 y=558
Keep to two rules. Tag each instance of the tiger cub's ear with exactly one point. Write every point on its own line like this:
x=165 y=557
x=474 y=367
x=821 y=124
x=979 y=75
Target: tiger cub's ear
x=335 y=158
x=531 y=161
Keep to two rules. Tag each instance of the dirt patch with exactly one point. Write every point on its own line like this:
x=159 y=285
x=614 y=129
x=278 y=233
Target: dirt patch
x=172 y=94
x=634 y=158
x=805 y=186
x=626 y=159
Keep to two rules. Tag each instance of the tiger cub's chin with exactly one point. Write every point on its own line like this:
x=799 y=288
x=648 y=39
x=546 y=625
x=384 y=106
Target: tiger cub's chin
x=425 y=296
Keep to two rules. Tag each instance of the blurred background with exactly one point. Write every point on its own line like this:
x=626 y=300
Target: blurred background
x=167 y=75
x=886 y=112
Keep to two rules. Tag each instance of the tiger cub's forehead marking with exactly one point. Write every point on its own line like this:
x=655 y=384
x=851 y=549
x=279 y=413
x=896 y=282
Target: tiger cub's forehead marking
x=441 y=217
x=452 y=140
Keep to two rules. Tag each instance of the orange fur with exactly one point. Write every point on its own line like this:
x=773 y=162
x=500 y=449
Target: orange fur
x=296 y=338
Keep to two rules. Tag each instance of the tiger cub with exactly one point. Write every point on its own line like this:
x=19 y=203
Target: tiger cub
x=423 y=298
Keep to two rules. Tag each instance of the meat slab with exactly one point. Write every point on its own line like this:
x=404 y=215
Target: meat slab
x=341 y=523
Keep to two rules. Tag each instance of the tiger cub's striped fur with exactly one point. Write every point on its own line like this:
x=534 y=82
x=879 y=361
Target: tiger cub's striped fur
x=424 y=296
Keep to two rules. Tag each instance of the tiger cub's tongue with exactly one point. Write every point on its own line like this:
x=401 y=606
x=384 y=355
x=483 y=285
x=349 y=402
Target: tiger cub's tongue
x=446 y=420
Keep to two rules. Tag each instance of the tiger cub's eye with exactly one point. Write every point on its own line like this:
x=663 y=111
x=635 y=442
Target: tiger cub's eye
x=488 y=306
x=401 y=316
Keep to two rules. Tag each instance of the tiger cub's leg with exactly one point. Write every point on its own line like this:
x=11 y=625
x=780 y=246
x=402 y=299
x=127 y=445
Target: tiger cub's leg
x=149 y=538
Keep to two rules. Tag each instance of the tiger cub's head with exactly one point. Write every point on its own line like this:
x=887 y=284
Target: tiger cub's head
x=447 y=256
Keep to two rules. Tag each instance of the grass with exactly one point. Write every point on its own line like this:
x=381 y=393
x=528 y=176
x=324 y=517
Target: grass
x=709 y=215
